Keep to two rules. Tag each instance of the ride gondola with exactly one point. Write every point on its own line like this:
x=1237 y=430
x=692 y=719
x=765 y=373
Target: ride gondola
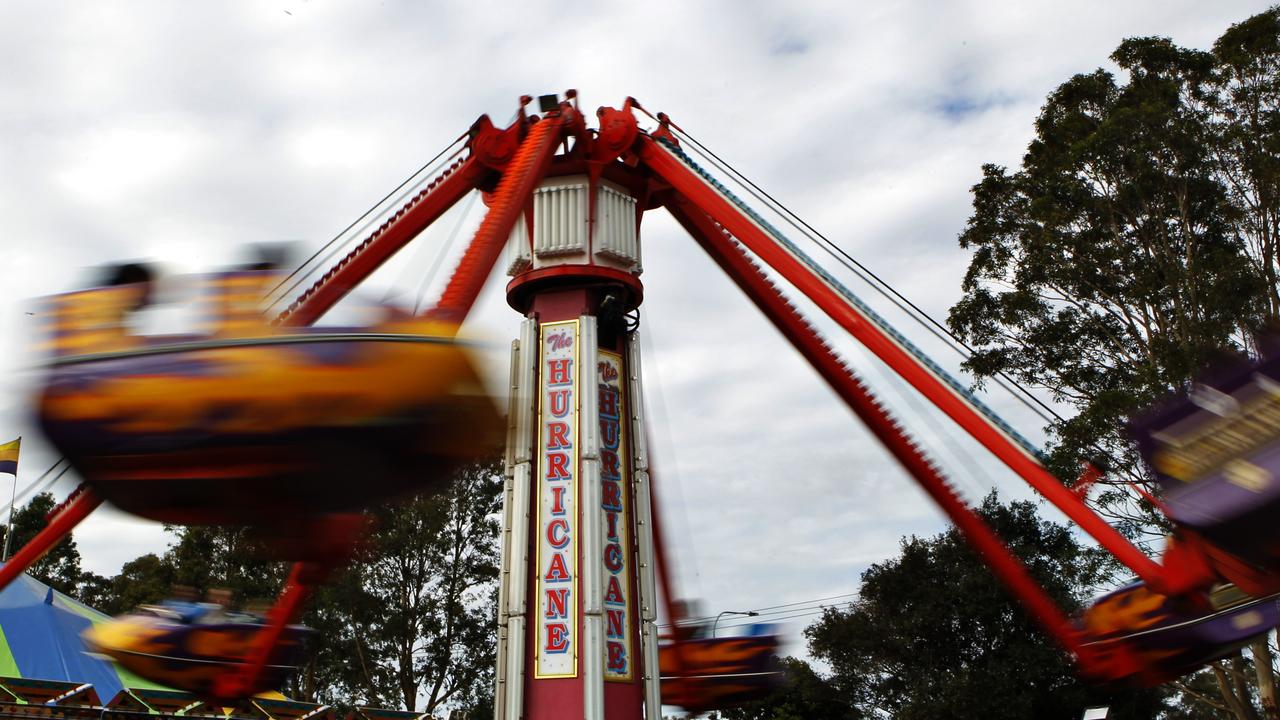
x=1171 y=636
x=522 y=155
x=169 y=644
x=253 y=424
x=719 y=673
x=1215 y=453
x=291 y=432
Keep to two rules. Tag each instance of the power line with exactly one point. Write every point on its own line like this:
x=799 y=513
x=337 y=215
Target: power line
x=48 y=484
x=27 y=490
x=795 y=616
x=807 y=602
x=440 y=256
x=770 y=610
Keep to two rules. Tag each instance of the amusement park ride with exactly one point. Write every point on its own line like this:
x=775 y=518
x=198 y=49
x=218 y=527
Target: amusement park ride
x=186 y=430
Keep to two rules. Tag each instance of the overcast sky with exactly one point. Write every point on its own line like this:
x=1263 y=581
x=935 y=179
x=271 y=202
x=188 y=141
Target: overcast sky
x=181 y=132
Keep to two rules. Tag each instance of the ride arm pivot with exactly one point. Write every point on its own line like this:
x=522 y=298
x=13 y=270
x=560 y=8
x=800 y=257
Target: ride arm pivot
x=527 y=167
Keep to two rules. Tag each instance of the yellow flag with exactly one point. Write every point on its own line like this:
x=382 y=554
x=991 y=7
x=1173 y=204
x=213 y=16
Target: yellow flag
x=9 y=456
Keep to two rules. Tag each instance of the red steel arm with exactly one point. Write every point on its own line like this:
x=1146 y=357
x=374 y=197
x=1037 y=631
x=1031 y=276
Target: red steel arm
x=674 y=614
x=663 y=566
x=514 y=190
x=336 y=538
x=77 y=507
x=729 y=256
x=443 y=193
x=303 y=578
x=509 y=199
x=711 y=202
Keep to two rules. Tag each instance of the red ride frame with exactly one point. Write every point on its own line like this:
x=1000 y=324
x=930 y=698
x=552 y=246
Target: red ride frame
x=522 y=154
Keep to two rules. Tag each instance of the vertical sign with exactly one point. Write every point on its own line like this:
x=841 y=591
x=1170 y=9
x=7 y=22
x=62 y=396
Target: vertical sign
x=557 y=586
x=613 y=503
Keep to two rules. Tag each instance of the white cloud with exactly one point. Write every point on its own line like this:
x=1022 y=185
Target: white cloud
x=183 y=131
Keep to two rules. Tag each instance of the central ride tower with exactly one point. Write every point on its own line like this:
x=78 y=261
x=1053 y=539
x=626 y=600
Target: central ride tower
x=578 y=605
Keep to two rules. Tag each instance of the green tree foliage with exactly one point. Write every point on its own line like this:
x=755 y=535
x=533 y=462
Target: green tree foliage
x=804 y=695
x=145 y=579
x=60 y=568
x=933 y=634
x=407 y=624
x=431 y=576
x=1135 y=243
x=1136 y=240
x=1244 y=109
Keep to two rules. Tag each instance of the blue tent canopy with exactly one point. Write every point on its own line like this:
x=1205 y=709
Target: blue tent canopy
x=40 y=640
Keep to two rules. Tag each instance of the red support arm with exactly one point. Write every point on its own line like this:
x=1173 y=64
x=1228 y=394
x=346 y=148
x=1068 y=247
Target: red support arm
x=674 y=614
x=527 y=167
x=77 y=507
x=443 y=193
x=663 y=566
x=729 y=256
x=711 y=202
x=303 y=578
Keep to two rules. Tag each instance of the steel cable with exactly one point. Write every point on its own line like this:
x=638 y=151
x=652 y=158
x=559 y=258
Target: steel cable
x=369 y=217
x=854 y=301
x=877 y=283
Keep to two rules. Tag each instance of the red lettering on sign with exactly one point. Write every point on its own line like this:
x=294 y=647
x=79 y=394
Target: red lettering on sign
x=608 y=402
x=613 y=557
x=558 y=371
x=609 y=464
x=557 y=500
x=613 y=626
x=614 y=594
x=612 y=519
x=560 y=340
x=612 y=496
x=557 y=435
x=617 y=657
x=558 y=533
x=609 y=434
x=607 y=371
x=559 y=402
x=557 y=603
x=557 y=637
x=557 y=571
x=557 y=466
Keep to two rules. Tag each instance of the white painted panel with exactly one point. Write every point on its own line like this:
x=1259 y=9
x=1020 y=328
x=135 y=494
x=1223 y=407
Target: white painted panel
x=616 y=234
x=519 y=256
x=560 y=220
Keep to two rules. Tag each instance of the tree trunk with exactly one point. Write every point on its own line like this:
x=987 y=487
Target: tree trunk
x=1241 y=707
x=1242 y=686
x=408 y=681
x=1262 y=665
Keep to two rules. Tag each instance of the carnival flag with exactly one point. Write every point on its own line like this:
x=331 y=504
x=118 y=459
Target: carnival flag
x=9 y=457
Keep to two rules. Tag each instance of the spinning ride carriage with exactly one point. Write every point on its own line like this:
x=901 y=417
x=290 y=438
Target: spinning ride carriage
x=252 y=425
x=229 y=428
x=579 y=593
x=193 y=656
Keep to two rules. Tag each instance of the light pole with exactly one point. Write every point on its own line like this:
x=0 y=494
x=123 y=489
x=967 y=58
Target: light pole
x=746 y=613
x=8 y=530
